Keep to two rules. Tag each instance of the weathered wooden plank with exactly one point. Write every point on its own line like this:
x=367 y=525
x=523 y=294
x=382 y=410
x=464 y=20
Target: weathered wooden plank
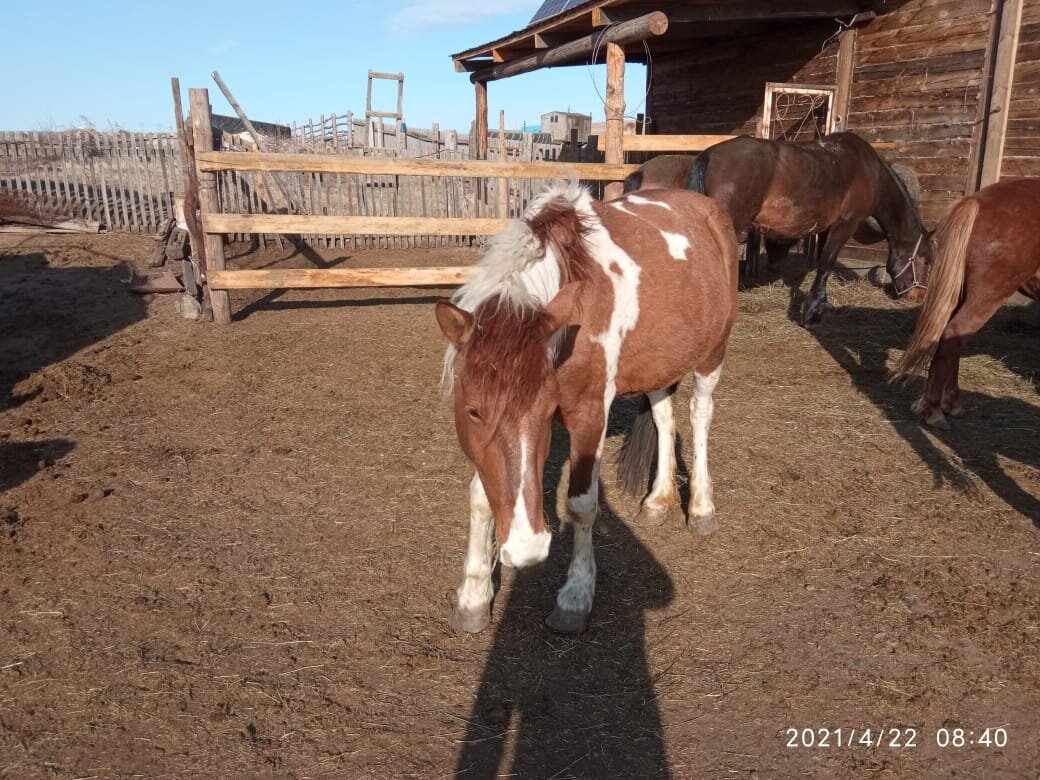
x=202 y=131
x=376 y=226
x=307 y=278
x=381 y=166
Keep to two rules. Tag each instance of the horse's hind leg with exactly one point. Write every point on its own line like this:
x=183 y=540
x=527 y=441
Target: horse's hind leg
x=941 y=394
x=702 y=506
x=472 y=611
x=663 y=497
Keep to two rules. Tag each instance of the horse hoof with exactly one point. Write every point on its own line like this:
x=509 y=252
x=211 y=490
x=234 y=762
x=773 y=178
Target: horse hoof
x=705 y=525
x=919 y=406
x=937 y=420
x=957 y=410
x=567 y=621
x=470 y=621
x=650 y=517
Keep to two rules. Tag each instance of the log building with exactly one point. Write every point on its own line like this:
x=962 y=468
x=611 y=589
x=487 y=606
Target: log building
x=950 y=88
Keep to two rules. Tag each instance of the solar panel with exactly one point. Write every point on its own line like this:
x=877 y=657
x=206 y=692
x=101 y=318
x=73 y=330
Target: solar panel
x=554 y=7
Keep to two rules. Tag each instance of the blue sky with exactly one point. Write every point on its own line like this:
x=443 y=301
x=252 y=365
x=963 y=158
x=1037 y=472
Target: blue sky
x=109 y=63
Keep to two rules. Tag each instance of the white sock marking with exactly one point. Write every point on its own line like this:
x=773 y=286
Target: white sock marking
x=701 y=409
x=476 y=591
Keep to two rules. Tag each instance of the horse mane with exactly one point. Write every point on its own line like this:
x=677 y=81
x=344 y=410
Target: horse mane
x=902 y=188
x=524 y=267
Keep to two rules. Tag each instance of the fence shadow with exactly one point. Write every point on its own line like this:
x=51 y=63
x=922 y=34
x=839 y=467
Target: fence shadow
x=558 y=706
x=995 y=428
x=48 y=314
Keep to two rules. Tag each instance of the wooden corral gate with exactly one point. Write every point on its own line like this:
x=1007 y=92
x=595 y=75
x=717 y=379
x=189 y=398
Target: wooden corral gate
x=215 y=223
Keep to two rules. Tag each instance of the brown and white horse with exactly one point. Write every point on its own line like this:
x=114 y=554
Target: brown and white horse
x=575 y=304
x=987 y=248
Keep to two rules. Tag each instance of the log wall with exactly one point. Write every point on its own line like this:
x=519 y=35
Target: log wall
x=1022 y=138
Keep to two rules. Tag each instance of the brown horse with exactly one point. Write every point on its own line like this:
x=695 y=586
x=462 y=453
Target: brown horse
x=579 y=302
x=988 y=247
x=787 y=190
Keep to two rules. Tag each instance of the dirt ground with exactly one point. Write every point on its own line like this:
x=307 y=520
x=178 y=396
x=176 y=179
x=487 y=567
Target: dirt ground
x=231 y=552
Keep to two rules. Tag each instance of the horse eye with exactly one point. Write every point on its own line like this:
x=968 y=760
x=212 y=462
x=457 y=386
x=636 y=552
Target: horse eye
x=474 y=414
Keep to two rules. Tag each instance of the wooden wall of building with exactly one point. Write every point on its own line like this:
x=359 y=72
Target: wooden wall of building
x=917 y=81
x=717 y=87
x=1022 y=138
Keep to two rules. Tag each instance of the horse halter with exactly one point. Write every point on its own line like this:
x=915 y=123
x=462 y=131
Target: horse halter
x=911 y=263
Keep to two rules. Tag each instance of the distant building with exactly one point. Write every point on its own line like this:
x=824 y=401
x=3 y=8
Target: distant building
x=559 y=124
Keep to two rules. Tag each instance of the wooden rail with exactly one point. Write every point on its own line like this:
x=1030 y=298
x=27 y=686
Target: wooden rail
x=685 y=143
x=391 y=166
x=388 y=226
x=310 y=278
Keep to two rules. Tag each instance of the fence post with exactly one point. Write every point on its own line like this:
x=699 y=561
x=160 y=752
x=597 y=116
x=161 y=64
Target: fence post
x=202 y=131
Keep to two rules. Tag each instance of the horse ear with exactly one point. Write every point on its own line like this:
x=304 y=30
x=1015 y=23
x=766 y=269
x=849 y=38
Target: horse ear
x=564 y=309
x=455 y=323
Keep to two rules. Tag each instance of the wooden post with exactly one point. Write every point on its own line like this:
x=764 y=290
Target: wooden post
x=1009 y=22
x=202 y=130
x=615 y=109
x=846 y=70
x=502 y=184
x=260 y=147
x=478 y=145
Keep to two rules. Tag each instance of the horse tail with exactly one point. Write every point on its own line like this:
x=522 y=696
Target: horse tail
x=698 y=178
x=638 y=452
x=945 y=287
x=633 y=181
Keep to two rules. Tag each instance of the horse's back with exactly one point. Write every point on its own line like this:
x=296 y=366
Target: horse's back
x=684 y=245
x=666 y=171
x=1005 y=240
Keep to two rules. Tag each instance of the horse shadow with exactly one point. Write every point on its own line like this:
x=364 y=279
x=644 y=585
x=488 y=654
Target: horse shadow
x=994 y=428
x=562 y=706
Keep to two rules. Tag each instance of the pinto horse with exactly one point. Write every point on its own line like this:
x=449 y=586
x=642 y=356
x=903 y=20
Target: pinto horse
x=988 y=247
x=787 y=190
x=578 y=302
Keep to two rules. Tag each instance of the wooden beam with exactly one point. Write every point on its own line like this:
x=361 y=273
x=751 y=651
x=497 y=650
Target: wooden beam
x=638 y=29
x=355 y=226
x=773 y=10
x=209 y=204
x=428 y=166
x=309 y=278
x=667 y=143
x=479 y=145
x=844 y=76
x=282 y=188
x=999 y=98
x=615 y=110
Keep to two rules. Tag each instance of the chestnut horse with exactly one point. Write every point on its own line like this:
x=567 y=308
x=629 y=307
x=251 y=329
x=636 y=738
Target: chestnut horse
x=574 y=304
x=987 y=248
x=787 y=190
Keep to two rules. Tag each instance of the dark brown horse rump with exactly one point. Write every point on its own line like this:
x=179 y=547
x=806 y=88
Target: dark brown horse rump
x=987 y=248
x=789 y=189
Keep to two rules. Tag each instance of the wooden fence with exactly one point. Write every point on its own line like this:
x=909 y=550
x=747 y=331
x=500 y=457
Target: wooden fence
x=125 y=181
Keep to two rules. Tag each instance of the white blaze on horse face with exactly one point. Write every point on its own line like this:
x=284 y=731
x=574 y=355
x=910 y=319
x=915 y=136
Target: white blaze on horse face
x=677 y=244
x=524 y=547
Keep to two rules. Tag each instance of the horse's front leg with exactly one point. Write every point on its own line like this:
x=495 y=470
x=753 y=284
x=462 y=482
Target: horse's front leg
x=816 y=302
x=574 y=601
x=472 y=611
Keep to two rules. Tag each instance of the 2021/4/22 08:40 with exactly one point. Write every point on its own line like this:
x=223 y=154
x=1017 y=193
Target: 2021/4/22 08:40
x=895 y=738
